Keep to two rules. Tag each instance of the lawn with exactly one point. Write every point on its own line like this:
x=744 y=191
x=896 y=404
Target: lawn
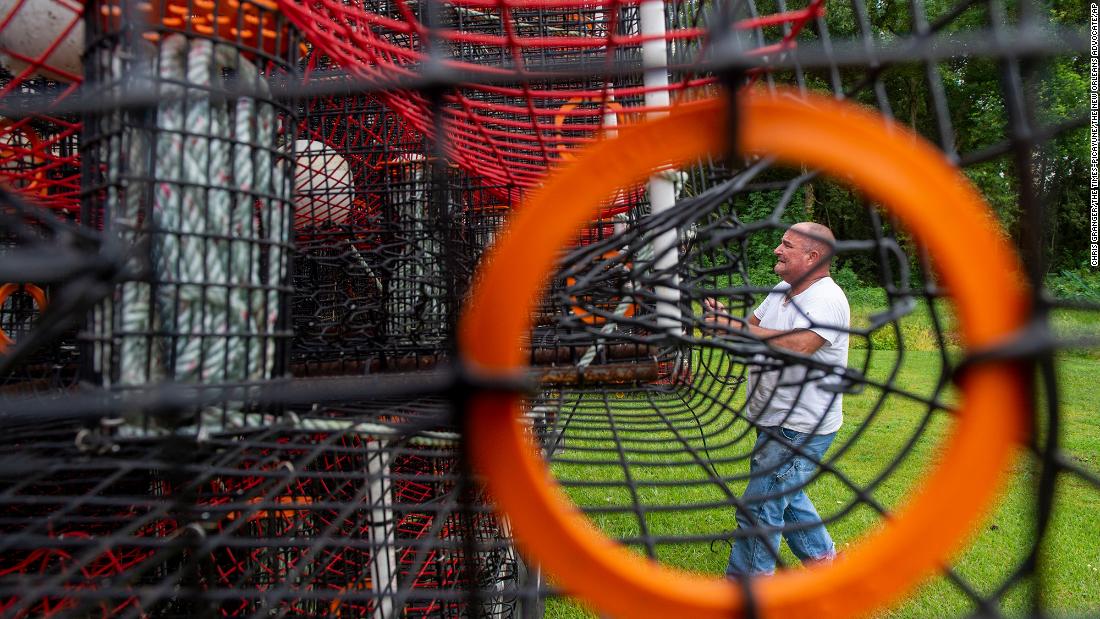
x=1071 y=563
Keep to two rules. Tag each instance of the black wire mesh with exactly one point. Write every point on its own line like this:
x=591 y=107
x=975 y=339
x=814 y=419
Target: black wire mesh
x=294 y=503
x=663 y=467
x=334 y=518
x=49 y=367
x=383 y=253
x=37 y=329
x=196 y=187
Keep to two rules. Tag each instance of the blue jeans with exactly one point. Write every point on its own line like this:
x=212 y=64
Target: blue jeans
x=776 y=501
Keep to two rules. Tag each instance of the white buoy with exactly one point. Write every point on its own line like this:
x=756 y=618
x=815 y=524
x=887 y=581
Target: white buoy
x=322 y=185
x=33 y=29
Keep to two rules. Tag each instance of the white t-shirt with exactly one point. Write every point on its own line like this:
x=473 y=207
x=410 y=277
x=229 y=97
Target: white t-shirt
x=794 y=398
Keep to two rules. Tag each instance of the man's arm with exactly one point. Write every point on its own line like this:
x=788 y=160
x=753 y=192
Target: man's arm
x=802 y=341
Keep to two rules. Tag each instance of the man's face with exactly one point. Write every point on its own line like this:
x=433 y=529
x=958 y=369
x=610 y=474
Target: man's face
x=793 y=259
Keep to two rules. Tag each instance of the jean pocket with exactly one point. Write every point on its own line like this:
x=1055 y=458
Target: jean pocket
x=791 y=435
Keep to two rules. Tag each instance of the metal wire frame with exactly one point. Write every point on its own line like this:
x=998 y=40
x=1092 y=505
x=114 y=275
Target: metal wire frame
x=38 y=158
x=871 y=81
x=574 y=308
x=49 y=270
x=620 y=442
x=197 y=188
x=46 y=368
x=382 y=257
x=1023 y=137
x=612 y=447
x=433 y=552
x=357 y=518
x=383 y=254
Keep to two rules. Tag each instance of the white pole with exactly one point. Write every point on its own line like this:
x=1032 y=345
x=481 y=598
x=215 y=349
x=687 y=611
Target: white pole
x=662 y=190
x=610 y=117
x=610 y=132
x=383 y=530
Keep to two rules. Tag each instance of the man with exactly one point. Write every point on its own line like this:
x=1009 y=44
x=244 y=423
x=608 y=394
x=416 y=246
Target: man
x=795 y=411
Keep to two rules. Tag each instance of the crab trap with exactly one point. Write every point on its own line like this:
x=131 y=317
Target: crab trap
x=469 y=308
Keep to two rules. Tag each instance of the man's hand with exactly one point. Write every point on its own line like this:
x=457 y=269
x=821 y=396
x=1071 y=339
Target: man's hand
x=714 y=312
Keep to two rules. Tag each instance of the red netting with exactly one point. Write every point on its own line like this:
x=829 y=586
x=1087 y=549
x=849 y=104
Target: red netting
x=41 y=42
x=340 y=537
x=508 y=133
x=512 y=129
x=88 y=575
x=40 y=46
x=315 y=505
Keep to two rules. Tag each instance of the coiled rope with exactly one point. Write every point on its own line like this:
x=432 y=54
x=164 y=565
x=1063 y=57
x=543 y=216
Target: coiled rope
x=218 y=227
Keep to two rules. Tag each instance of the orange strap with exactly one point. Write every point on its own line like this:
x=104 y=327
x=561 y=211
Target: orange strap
x=6 y=291
x=891 y=166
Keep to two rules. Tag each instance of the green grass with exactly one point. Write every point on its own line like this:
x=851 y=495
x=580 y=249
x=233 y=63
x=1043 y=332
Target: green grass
x=1072 y=566
x=1072 y=563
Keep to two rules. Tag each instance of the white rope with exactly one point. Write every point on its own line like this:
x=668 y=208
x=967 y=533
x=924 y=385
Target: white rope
x=367 y=429
x=208 y=240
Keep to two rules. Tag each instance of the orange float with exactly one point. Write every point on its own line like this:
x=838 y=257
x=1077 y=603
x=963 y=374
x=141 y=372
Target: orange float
x=572 y=104
x=577 y=304
x=252 y=22
x=6 y=290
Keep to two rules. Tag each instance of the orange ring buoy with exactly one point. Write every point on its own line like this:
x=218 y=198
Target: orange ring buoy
x=6 y=291
x=8 y=153
x=559 y=119
x=586 y=316
x=891 y=166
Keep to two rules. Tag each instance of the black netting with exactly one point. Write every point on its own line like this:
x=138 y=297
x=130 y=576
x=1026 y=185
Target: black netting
x=233 y=385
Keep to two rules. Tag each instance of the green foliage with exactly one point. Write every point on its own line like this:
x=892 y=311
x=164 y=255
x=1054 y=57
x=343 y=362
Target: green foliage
x=1061 y=166
x=763 y=276
x=977 y=120
x=917 y=330
x=1075 y=285
x=755 y=206
x=846 y=278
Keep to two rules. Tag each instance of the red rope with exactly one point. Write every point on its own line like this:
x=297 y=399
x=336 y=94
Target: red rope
x=506 y=133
